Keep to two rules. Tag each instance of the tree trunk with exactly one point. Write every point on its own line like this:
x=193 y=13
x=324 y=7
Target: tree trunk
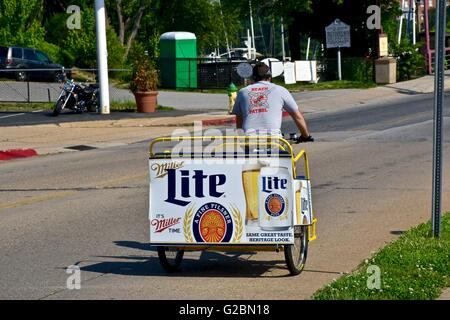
x=294 y=41
x=136 y=26
x=121 y=22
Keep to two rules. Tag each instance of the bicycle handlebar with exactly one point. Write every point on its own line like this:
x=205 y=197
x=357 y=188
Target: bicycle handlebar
x=295 y=138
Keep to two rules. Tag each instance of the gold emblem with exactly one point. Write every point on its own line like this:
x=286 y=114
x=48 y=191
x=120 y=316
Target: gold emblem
x=212 y=221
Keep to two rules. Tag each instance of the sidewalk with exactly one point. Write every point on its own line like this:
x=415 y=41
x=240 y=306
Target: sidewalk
x=445 y=295
x=59 y=137
x=210 y=110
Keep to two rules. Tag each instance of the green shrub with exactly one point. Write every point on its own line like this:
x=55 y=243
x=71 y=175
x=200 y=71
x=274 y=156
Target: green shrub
x=410 y=60
x=353 y=69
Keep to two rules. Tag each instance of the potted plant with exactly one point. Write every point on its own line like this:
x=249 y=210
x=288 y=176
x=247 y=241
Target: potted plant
x=144 y=84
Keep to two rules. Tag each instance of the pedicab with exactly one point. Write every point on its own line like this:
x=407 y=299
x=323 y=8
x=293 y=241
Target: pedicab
x=234 y=194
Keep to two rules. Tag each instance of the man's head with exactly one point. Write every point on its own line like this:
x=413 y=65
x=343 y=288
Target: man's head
x=261 y=72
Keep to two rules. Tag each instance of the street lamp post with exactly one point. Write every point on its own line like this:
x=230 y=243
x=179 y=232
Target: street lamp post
x=102 y=55
x=253 y=31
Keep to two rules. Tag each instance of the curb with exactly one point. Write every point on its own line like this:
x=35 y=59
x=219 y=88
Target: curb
x=17 y=153
x=227 y=121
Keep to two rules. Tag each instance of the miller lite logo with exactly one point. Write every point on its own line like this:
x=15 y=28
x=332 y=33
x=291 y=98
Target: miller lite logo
x=163 y=224
x=161 y=169
x=270 y=184
x=184 y=184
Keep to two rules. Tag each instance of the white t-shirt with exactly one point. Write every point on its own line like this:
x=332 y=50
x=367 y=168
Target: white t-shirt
x=261 y=106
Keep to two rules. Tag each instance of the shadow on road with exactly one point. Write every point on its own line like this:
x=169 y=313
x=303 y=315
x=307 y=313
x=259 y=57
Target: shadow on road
x=209 y=264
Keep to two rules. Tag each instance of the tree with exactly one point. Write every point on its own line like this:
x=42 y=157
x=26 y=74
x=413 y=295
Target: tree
x=128 y=19
x=20 y=22
x=201 y=17
x=79 y=47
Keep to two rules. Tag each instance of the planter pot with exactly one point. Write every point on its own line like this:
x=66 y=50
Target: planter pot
x=146 y=101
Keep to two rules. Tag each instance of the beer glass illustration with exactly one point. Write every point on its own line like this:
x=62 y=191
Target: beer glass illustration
x=250 y=178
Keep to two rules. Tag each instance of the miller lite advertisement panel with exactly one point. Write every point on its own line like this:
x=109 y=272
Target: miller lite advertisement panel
x=221 y=201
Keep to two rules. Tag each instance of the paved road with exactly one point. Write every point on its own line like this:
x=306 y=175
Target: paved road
x=38 y=117
x=371 y=178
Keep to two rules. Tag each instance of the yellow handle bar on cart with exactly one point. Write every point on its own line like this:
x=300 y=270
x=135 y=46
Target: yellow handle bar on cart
x=280 y=143
x=262 y=141
x=302 y=154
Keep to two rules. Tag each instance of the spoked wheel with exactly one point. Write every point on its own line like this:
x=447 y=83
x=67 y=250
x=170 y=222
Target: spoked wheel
x=170 y=258
x=295 y=254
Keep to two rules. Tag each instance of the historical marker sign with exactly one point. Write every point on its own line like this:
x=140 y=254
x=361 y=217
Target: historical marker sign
x=338 y=35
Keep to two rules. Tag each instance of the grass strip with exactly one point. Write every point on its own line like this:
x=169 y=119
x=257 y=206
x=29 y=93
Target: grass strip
x=25 y=107
x=328 y=85
x=300 y=86
x=29 y=107
x=414 y=267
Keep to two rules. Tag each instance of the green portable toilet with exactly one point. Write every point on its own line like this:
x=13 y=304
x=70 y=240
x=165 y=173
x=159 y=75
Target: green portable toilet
x=178 y=60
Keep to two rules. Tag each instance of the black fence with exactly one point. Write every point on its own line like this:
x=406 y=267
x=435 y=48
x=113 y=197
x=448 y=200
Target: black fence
x=39 y=87
x=199 y=73
x=219 y=73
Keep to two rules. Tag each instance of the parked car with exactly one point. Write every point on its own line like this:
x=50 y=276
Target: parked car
x=21 y=59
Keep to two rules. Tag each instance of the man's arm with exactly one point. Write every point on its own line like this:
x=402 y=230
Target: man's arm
x=291 y=106
x=239 y=121
x=237 y=111
x=300 y=122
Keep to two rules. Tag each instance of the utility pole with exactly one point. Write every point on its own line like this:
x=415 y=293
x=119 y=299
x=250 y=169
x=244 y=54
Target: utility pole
x=438 y=115
x=225 y=29
x=249 y=45
x=253 y=55
x=102 y=55
x=413 y=3
x=282 y=40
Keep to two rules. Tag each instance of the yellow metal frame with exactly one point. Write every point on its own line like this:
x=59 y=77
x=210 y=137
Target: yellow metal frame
x=258 y=141
x=281 y=143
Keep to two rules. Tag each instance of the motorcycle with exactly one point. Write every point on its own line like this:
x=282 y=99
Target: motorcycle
x=77 y=97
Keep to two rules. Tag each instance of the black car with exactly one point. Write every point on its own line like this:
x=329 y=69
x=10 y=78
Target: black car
x=29 y=64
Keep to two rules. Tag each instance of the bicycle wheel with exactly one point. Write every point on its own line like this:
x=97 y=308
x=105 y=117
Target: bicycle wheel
x=295 y=254
x=170 y=258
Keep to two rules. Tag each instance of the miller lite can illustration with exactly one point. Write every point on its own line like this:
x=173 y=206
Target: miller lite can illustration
x=275 y=193
x=250 y=178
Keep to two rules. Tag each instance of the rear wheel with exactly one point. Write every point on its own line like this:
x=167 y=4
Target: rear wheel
x=170 y=258
x=295 y=254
